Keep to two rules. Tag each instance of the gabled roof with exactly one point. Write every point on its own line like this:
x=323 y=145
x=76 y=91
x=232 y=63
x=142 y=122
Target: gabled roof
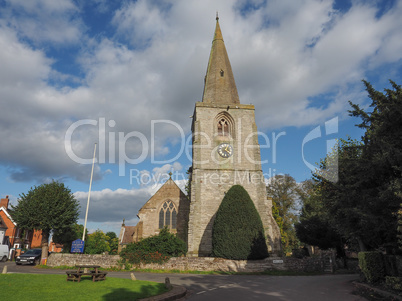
x=163 y=190
x=8 y=215
x=220 y=86
x=128 y=234
x=3 y=224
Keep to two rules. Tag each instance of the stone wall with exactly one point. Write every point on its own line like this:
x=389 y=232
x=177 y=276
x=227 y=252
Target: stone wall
x=308 y=264
x=225 y=265
x=64 y=259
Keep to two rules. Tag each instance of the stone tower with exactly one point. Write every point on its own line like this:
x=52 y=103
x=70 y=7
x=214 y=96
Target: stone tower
x=225 y=152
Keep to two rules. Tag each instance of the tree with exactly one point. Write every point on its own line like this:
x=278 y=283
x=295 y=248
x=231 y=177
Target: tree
x=48 y=207
x=285 y=194
x=68 y=235
x=97 y=243
x=382 y=152
x=344 y=201
x=357 y=190
x=113 y=242
x=314 y=227
x=237 y=231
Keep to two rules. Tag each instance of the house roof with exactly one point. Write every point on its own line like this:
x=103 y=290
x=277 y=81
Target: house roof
x=3 y=224
x=8 y=215
x=128 y=234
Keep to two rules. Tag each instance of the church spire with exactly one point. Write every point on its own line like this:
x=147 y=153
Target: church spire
x=220 y=86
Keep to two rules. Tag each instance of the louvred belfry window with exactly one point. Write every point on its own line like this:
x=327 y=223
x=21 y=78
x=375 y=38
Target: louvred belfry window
x=225 y=125
x=168 y=215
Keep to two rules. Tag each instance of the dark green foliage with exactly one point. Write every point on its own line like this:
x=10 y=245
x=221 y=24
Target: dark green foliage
x=48 y=207
x=382 y=161
x=68 y=235
x=238 y=232
x=394 y=283
x=318 y=232
x=187 y=188
x=372 y=266
x=314 y=227
x=357 y=191
x=154 y=249
x=113 y=241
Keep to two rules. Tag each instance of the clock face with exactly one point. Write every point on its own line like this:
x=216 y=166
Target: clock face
x=225 y=150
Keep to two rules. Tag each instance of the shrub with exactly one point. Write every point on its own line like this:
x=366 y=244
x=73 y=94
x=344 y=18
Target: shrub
x=372 y=266
x=237 y=231
x=154 y=249
x=394 y=283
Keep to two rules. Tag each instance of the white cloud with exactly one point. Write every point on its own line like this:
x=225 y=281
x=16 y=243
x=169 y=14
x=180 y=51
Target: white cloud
x=45 y=20
x=284 y=54
x=112 y=205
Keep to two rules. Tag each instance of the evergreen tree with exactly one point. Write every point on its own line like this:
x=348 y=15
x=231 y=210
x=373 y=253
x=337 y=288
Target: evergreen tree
x=361 y=194
x=382 y=154
x=314 y=227
x=237 y=231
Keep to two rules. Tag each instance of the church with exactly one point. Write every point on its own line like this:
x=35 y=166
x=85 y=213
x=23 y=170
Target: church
x=225 y=152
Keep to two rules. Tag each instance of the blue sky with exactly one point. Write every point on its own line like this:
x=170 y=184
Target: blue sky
x=114 y=69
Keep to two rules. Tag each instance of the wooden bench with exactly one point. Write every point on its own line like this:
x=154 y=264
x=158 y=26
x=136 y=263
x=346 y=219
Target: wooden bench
x=99 y=276
x=76 y=275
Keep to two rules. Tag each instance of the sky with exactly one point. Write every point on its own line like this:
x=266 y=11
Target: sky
x=126 y=75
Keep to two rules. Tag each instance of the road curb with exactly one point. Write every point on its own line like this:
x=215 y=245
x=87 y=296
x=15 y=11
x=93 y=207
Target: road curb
x=175 y=293
x=377 y=290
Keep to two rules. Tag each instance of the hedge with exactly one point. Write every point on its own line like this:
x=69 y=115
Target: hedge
x=372 y=266
x=394 y=283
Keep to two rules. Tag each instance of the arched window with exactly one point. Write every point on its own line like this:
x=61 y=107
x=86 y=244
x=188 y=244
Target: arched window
x=224 y=124
x=168 y=215
x=223 y=127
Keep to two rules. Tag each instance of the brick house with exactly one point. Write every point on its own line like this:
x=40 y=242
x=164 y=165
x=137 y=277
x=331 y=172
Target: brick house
x=10 y=234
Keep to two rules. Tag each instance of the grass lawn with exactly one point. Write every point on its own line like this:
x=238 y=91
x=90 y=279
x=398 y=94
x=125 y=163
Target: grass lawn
x=55 y=287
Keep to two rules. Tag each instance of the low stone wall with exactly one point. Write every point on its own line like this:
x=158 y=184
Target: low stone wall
x=226 y=265
x=308 y=264
x=60 y=259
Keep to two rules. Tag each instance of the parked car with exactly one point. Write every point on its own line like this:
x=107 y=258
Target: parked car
x=31 y=256
x=4 y=252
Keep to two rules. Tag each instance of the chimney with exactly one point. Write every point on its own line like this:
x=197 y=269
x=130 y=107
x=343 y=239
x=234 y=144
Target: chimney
x=4 y=202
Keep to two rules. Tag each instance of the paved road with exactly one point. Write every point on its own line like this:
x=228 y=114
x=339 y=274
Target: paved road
x=241 y=287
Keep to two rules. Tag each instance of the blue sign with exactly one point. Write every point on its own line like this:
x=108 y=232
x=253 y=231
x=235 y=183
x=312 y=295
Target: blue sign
x=77 y=246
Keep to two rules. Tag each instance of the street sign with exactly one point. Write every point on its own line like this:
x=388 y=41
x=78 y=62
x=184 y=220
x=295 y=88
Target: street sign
x=77 y=246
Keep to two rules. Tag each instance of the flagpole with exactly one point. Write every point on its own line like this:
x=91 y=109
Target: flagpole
x=89 y=195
